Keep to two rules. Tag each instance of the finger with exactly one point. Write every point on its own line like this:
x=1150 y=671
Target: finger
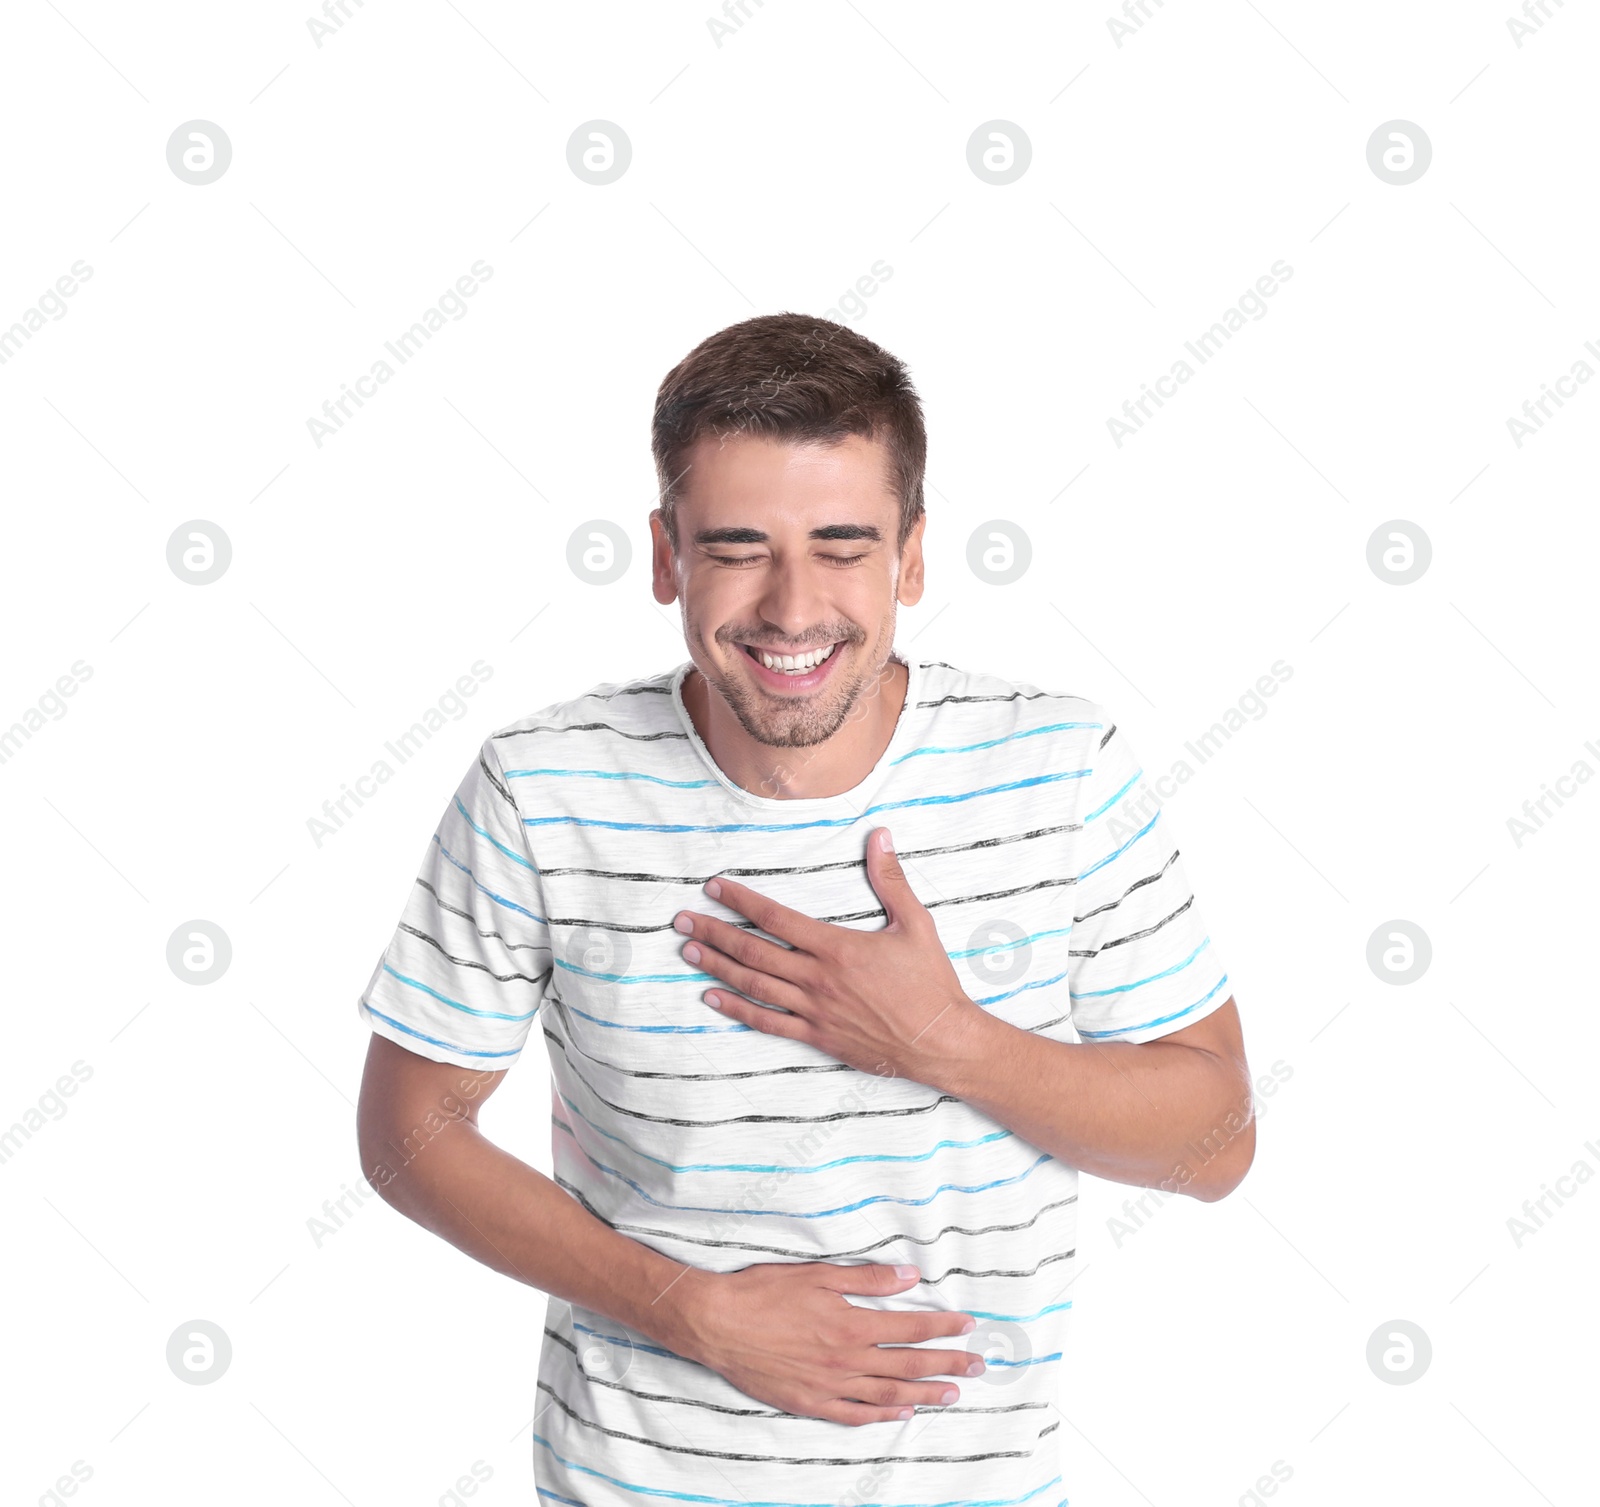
x=762 y=987
x=739 y=944
x=890 y=1391
x=776 y=920
x=908 y=1361
x=896 y=1326
x=889 y=880
x=865 y=1277
x=758 y=1017
x=859 y=1412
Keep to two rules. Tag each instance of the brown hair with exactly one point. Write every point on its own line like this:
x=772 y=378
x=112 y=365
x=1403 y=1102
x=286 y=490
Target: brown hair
x=792 y=377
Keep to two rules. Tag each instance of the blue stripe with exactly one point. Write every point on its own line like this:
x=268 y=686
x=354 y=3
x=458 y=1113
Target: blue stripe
x=1163 y=1019
x=454 y=1046
x=1100 y=810
x=482 y=832
x=1116 y=853
x=617 y=1025
x=1029 y=732
x=631 y=1346
x=612 y=774
x=1140 y=983
x=695 y=1496
x=692 y=976
x=498 y=899
x=968 y=952
x=625 y=1342
x=843 y=1161
x=455 y=1004
x=636 y=978
x=994 y=999
x=861 y=1203
x=1019 y=1318
x=836 y=821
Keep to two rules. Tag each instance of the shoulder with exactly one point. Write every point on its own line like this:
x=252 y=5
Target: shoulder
x=611 y=711
x=981 y=699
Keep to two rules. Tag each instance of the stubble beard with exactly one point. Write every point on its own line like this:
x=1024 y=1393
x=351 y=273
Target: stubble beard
x=788 y=722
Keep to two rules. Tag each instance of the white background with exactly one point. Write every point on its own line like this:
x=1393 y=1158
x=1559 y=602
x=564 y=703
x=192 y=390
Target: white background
x=367 y=574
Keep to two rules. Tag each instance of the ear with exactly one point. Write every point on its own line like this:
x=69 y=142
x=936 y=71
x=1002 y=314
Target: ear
x=663 y=561
x=908 y=591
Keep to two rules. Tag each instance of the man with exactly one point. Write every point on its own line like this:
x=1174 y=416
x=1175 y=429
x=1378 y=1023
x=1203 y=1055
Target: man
x=819 y=1101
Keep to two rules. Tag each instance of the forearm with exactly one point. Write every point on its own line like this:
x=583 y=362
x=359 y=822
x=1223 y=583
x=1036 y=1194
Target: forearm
x=1156 y=1114
x=511 y=1217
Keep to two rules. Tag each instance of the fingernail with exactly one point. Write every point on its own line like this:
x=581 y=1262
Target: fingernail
x=904 y=1413
x=691 y=953
x=976 y=1366
x=906 y=1271
x=683 y=923
x=712 y=888
x=968 y=1327
x=885 y=841
x=949 y=1395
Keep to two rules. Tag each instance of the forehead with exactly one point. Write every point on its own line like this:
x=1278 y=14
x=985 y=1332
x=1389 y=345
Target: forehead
x=748 y=474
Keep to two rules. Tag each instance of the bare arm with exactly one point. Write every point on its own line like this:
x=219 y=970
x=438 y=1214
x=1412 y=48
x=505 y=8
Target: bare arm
x=1174 y=1113
x=782 y=1332
x=417 y=1124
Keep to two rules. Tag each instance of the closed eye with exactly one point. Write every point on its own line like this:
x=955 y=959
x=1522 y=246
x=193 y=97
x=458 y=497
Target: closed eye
x=755 y=559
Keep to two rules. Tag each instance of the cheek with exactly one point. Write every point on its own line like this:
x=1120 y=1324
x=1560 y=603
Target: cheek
x=717 y=594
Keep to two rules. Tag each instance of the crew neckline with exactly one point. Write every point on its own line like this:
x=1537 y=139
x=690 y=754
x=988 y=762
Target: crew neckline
x=854 y=798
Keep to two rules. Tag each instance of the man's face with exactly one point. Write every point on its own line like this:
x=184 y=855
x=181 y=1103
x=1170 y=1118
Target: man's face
x=788 y=549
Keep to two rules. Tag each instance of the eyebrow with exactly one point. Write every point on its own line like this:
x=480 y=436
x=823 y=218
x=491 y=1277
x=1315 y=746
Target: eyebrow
x=746 y=535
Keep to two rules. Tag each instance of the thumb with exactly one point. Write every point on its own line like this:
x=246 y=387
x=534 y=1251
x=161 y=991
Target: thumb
x=888 y=878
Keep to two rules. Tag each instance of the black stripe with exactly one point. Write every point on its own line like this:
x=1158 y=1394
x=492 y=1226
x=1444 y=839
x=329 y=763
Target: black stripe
x=839 y=1115
x=769 y=1459
x=499 y=978
x=568 y=1046
x=798 y=1255
x=593 y=924
x=655 y=685
x=1107 y=738
x=929 y=1281
x=818 y=868
x=456 y=910
x=1014 y=696
x=1000 y=1271
x=499 y=789
x=633 y=1072
x=589 y=727
x=775 y=1417
x=1136 y=885
x=1134 y=936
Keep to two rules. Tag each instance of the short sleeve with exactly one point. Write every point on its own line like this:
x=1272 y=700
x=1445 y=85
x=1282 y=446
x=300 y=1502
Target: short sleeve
x=464 y=972
x=1141 y=961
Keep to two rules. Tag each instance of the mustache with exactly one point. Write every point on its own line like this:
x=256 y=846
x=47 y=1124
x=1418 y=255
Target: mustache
x=755 y=642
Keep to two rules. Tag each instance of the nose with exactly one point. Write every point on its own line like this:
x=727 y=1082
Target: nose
x=792 y=601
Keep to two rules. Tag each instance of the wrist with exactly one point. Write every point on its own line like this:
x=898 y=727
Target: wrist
x=680 y=1307
x=961 y=1035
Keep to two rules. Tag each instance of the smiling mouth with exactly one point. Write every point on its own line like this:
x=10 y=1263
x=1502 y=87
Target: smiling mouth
x=791 y=664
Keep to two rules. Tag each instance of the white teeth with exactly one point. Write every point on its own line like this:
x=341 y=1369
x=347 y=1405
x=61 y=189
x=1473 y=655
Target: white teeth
x=795 y=664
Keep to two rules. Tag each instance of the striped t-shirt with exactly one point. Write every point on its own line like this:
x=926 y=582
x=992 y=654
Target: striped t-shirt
x=548 y=892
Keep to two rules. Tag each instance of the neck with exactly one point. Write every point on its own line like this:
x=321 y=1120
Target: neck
x=831 y=767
